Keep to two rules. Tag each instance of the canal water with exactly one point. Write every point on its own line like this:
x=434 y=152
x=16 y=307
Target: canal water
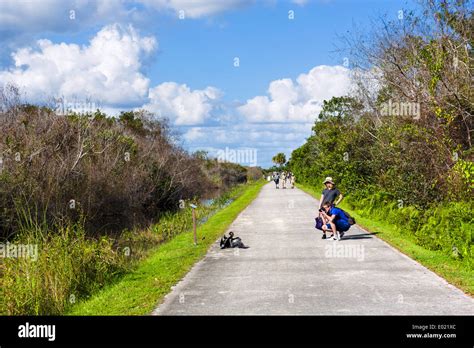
x=209 y=200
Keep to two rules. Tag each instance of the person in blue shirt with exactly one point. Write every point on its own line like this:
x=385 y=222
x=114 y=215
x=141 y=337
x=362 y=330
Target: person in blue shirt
x=335 y=221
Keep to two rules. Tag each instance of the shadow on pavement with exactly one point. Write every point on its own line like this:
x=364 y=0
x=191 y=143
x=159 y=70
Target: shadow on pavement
x=359 y=236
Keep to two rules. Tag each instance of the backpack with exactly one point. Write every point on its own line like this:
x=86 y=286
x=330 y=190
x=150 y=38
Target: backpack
x=352 y=221
x=319 y=223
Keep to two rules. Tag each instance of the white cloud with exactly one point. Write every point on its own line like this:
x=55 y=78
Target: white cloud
x=196 y=8
x=300 y=101
x=279 y=121
x=56 y=15
x=268 y=139
x=181 y=104
x=193 y=134
x=33 y=16
x=107 y=70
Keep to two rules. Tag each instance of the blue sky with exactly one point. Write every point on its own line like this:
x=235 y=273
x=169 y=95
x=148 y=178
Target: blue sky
x=140 y=54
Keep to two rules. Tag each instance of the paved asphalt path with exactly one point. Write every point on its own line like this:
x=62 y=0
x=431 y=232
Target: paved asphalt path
x=289 y=270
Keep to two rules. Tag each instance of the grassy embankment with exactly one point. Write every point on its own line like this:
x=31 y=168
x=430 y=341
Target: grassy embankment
x=454 y=271
x=139 y=292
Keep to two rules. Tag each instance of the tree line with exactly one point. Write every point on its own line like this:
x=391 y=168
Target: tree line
x=401 y=143
x=110 y=172
x=85 y=196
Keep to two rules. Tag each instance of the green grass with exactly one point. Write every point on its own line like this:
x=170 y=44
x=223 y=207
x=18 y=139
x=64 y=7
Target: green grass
x=141 y=290
x=455 y=272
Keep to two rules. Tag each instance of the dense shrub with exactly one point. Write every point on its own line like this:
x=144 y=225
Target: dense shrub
x=446 y=226
x=94 y=194
x=115 y=172
x=449 y=227
x=68 y=265
x=71 y=266
x=254 y=173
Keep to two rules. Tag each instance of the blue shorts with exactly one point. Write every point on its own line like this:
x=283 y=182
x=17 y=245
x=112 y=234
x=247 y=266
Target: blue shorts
x=341 y=227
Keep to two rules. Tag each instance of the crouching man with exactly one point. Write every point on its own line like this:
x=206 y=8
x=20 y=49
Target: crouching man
x=335 y=221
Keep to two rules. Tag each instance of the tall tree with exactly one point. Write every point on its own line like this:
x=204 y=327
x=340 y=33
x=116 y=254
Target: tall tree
x=279 y=159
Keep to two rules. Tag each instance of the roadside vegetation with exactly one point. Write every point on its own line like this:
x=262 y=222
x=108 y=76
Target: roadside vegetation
x=95 y=195
x=400 y=146
x=444 y=264
x=140 y=291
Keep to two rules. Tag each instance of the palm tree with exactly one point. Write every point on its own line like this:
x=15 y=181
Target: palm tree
x=279 y=159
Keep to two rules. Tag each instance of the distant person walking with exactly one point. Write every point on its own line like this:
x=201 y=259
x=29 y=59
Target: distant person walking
x=288 y=179
x=283 y=180
x=293 y=180
x=276 y=178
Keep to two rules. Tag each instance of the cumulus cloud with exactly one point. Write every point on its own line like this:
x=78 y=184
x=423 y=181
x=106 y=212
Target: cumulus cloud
x=21 y=21
x=261 y=135
x=181 y=104
x=20 y=17
x=107 y=72
x=108 y=69
x=194 y=134
x=56 y=15
x=279 y=121
x=298 y=101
